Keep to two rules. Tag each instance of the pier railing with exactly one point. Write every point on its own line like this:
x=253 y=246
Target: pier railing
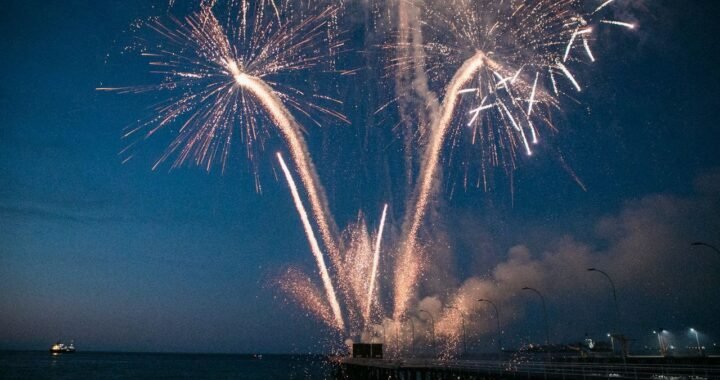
x=538 y=369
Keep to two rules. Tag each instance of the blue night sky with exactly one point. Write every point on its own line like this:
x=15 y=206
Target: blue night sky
x=121 y=257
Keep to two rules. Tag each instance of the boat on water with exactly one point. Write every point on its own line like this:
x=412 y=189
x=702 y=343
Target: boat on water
x=62 y=348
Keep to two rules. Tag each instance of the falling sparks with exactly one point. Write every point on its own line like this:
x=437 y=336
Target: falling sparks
x=304 y=292
x=569 y=76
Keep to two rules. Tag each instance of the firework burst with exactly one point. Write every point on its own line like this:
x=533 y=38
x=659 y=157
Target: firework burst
x=503 y=67
x=206 y=67
x=508 y=59
x=229 y=81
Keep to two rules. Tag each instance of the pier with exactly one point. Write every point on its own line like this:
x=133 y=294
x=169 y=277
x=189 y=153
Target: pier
x=638 y=368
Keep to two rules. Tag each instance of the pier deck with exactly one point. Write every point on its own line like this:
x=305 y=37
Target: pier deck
x=426 y=369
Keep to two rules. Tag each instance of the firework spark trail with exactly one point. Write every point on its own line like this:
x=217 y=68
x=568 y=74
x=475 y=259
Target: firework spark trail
x=603 y=5
x=298 y=150
x=588 y=50
x=569 y=76
x=531 y=102
x=619 y=23
x=376 y=260
x=412 y=79
x=408 y=266
x=315 y=247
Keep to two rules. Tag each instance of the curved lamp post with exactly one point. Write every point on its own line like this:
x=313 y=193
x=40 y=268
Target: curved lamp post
x=699 y=243
x=412 y=331
x=661 y=342
x=547 y=329
x=462 y=319
x=432 y=325
x=617 y=308
x=497 y=319
x=384 y=333
x=697 y=339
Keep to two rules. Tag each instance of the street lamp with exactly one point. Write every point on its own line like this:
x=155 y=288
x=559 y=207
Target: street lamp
x=547 y=329
x=462 y=319
x=612 y=342
x=697 y=339
x=617 y=308
x=699 y=243
x=497 y=319
x=412 y=331
x=384 y=334
x=432 y=325
x=397 y=337
x=661 y=342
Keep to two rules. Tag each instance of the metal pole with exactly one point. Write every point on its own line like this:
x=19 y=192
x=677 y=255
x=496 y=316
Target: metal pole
x=432 y=325
x=497 y=319
x=547 y=329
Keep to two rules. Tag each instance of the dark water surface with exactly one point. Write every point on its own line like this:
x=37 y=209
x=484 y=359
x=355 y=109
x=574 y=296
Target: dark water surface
x=96 y=365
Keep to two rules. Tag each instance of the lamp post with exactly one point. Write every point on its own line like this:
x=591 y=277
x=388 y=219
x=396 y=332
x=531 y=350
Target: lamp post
x=371 y=334
x=462 y=319
x=661 y=342
x=612 y=341
x=699 y=243
x=617 y=307
x=547 y=329
x=697 y=339
x=412 y=331
x=432 y=325
x=497 y=319
x=397 y=337
x=384 y=334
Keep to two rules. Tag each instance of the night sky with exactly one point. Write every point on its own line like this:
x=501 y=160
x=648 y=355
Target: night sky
x=120 y=257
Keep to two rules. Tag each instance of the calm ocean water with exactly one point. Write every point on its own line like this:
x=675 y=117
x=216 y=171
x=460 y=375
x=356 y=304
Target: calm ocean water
x=90 y=365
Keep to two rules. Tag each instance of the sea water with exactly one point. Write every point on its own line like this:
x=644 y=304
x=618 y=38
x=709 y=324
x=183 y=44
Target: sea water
x=107 y=365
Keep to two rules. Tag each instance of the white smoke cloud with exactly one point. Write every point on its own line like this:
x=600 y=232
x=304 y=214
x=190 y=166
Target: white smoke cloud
x=645 y=247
